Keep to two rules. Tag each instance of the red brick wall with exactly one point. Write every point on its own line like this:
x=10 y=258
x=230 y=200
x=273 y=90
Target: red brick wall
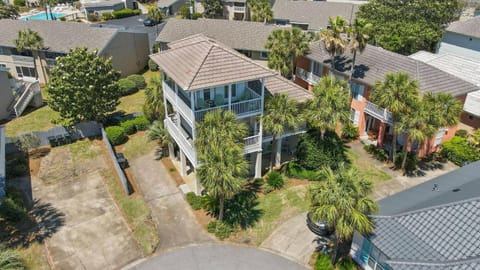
x=303 y=62
x=302 y=83
x=470 y=120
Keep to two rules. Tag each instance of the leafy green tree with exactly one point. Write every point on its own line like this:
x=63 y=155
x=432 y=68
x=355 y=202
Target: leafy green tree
x=330 y=104
x=8 y=11
x=341 y=200
x=285 y=46
x=408 y=26
x=220 y=150
x=260 y=11
x=212 y=8
x=398 y=94
x=156 y=15
x=83 y=86
x=153 y=108
x=281 y=114
x=30 y=40
x=10 y=260
x=358 y=36
x=333 y=37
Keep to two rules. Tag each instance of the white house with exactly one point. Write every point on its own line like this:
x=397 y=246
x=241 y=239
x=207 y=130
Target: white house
x=462 y=38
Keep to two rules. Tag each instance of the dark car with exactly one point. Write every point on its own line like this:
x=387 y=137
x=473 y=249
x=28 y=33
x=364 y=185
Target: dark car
x=318 y=228
x=149 y=22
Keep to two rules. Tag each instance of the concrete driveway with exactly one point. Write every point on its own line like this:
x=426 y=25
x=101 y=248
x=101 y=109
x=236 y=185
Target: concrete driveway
x=218 y=257
x=177 y=225
x=88 y=231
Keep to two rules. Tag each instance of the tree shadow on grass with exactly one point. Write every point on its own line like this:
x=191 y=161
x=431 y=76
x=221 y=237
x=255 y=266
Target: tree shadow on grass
x=24 y=228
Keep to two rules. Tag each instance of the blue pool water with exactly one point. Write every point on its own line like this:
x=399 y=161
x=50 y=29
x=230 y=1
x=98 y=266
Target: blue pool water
x=42 y=17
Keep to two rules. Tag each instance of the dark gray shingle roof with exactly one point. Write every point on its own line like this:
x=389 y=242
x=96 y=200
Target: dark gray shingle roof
x=470 y=27
x=315 y=13
x=375 y=62
x=58 y=36
x=235 y=34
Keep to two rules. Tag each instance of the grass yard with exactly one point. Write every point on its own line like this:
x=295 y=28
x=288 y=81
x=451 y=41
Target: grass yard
x=277 y=207
x=137 y=145
x=37 y=120
x=367 y=169
x=136 y=211
x=132 y=103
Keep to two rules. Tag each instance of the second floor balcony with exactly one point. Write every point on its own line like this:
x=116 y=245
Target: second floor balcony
x=307 y=76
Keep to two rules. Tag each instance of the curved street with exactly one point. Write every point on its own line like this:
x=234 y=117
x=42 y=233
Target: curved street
x=218 y=257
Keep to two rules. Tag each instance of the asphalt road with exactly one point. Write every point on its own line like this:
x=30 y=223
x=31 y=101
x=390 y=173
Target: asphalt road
x=218 y=257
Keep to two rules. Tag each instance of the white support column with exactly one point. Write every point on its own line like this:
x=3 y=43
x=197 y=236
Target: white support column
x=258 y=165
x=164 y=97
x=230 y=97
x=192 y=106
x=183 y=163
x=278 y=154
x=260 y=133
x=198 y=188
x=171 y=151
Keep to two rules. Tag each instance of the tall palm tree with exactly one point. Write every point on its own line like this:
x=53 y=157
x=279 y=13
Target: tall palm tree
x=358 y=35
x=415 y=127
x=30 y=40
x=341 y=200
x=398 y=94
x=220 y=152
x=334 y=37
x=285 y=46
x=260 y=11
x=153 y=108
x=281 y=114
x=155 y=14
x=8 y=11
x=10 y=260
x=330 y=104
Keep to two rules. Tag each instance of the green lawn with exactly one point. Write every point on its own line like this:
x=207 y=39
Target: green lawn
x=37 y=120
x=132 y=103
x=367 y=169
x=277 y=207
x=137 y=145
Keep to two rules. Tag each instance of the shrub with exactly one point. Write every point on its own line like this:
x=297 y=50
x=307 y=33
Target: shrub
x=411 y=163
x=292 y=169
x=116 y=135
x=152 y=65
x=126 y=12
x=28 y=141
x=459 y=151
x=275 y=180
x=20 y=3
x=107 y=16
x=127 y=86
x=92 y=17
x=196 y=202
x=462 y=133
x=155 y=47
x=196 y=15
x=313 y=153
x=220 y=229
x=323 y=262
x=129 y=126
x=12 y=210
x=63 y=19
x=141 y=123
x=379 y=154
x=349 y=132
x=346 y=264
x=139 y=81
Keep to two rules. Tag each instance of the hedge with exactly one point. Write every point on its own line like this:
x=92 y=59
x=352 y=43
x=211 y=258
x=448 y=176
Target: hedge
x=139 y=81
x=116 y=135
x=129 y=126
x=292 y=169
x=127 y=86
x=141 y=123
x=126 y=12
x=152 y=65
x=459 y=151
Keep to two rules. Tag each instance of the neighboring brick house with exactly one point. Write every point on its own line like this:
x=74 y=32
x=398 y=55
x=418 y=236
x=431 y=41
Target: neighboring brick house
x=371 y=66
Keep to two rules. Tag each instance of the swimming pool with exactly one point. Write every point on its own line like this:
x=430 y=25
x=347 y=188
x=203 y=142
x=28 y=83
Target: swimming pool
x=41 y=16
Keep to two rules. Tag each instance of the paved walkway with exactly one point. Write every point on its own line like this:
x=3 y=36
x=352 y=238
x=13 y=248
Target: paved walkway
x=218 y=257
x=177 y=226
x=294 y=240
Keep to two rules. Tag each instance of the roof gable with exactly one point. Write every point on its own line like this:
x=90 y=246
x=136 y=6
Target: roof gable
x=468 y=27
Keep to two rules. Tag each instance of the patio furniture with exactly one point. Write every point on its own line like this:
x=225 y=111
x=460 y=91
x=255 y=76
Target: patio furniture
x=210 y=103
x=52 y=140
x=60 y=140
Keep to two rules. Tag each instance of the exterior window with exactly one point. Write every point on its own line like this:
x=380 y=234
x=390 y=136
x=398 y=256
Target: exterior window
x=263 y=55
x=234 y=90
x=26 y=72
x=225 y=91
x=317 y=69
x=22 y=53
x=354 y=116
x=53 y=55
x=439 y=137
x=3 y=65
x=357 y=91
x=206 y=94
x=3 y=51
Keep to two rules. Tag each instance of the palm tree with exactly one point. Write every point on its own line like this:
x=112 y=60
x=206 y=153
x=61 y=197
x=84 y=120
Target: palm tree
x=358 y=35
x=220 y=152
x=8 y=11
x=281 y=114
x=158 y=132
x=398 y=94
x=30 y=40
x=10 y=260
x=330 y=104
x=153 y=108
x=155 y=14
x=260 y=11
x=341 y=200
x=415 y=127
x=333 y=38
x=285 y=46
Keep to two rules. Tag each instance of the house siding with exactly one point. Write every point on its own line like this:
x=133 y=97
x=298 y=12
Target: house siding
x=458 y=44
x=6 y=95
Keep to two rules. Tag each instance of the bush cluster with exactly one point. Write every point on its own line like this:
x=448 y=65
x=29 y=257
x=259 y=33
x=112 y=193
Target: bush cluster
x=379 y=154
x=196 y=202
x=116 y=135
x=323 y=262
x=462 y=133
x=349 y=132
x=459 y=151
x=346 y=264
x=126 y=12
x=139 y=80
x=313 y=153
x=127 y=87
x=152 y=66
x=410 y=164
x=13 y=208
x=107 y=16
x=91 y=17
x=292 y=169
x=220 y=229
x=275 y=180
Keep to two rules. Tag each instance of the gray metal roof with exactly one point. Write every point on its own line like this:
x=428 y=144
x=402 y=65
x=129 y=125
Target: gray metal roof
x=58 y=36
x=2 y=163
x=375 y=62
x=235 y=34
x=280 y=85
x=199 y=62
x=315 y=13
x=166 y=3
x=468 y=27
x=425 y=229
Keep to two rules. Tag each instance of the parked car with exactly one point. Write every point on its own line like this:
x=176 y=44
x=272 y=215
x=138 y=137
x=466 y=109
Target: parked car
x=318 y=228
x=150 y=22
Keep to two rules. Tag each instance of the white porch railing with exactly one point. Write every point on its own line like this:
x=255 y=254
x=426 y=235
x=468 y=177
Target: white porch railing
x=247 y=107
x=185 y=145
x=288 y=133
x=28 y=94
x=307 y=76
x=379 y=112
x=252 y=144
x=180 y=105
x=239 y=9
